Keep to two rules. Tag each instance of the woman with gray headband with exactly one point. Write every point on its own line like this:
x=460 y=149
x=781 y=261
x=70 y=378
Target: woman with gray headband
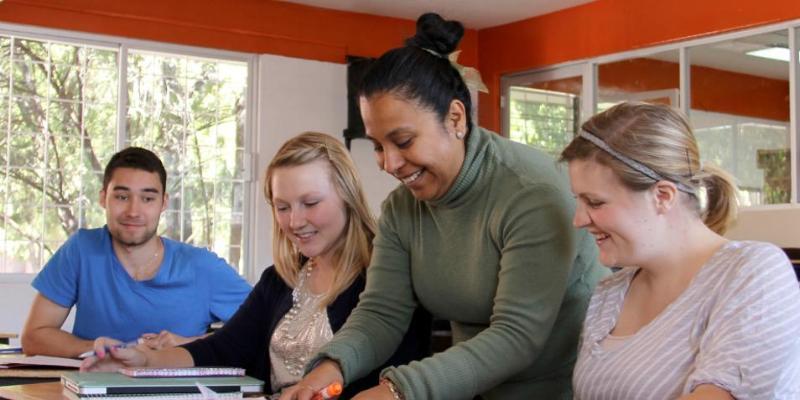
x=690 y=314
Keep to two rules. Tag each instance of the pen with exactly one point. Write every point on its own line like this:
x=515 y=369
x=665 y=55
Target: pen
x=11 y=350
x=332 y=391
x=125 y=345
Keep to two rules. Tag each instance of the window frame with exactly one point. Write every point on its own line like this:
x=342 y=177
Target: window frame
x=589 y=68
x=123 y=45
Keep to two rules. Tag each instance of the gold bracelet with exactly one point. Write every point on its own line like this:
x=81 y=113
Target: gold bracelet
x=396 y=394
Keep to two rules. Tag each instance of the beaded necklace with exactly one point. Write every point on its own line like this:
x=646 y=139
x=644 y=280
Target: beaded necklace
x=300 y=333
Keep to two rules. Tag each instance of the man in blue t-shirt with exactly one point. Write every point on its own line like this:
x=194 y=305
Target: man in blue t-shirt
x=125 y=281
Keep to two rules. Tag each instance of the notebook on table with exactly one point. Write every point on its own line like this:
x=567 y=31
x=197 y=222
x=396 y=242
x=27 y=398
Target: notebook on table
x=23 y=361
x=163 y=396
x=149 y=372
x=112 y=383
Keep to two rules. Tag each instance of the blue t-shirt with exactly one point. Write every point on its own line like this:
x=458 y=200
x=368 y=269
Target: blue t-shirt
x=192 y=288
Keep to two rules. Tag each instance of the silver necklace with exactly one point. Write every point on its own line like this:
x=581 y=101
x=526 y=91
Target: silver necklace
x=303 y=326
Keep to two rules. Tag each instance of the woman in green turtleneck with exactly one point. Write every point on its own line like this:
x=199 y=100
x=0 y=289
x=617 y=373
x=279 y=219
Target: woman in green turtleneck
x=479 y=233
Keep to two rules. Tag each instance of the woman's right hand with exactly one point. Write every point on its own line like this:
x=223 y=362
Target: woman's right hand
x=109 y=357
x=324 y=374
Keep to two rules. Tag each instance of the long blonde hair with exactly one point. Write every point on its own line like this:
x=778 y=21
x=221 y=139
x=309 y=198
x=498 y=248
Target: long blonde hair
x=352 y=252
x=659 y=137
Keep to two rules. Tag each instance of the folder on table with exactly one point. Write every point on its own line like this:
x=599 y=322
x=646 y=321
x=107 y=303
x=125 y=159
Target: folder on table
x=112 y=383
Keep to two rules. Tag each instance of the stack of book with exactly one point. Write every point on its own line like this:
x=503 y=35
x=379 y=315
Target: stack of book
x=160 y=384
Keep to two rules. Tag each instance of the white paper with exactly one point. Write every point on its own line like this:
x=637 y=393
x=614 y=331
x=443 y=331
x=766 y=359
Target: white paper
x=22 y=360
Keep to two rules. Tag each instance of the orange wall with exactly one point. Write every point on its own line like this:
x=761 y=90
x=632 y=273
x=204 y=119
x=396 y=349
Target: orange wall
x=609 y=26
x=255 y=26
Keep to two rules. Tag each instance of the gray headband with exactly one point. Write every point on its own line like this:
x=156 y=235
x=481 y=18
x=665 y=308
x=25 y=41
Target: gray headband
x=643 y=169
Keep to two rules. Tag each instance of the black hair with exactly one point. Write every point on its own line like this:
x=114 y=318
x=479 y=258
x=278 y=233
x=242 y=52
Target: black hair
x=420 y=71
x=136 y=158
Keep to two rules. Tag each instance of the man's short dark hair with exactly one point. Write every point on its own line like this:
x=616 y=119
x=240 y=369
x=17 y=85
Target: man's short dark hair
x=136 y=158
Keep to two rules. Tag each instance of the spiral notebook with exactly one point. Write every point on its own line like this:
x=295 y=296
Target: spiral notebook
x=112 y=383
x=145 y=372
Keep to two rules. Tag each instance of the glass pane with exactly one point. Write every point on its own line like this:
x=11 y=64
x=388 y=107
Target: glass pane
x=3 y=201
x=21 y=257
x=545 y=114
x=100 y=131
x=28 y=150
x=64 y=170
x=90 y=214
x=24 y=203
x=64 y=118
x=740 y=112
x=5 y=61
x=100 y=86
x=66 y=82
x=67 y=54
x=652 y=79
x=30 y=79
x=101 y=59
x=3 y=118
x=30 y=50
x=59 y=223
x=27 y=115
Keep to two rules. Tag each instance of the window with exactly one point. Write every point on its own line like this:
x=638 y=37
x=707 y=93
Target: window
x=740 y=111
x=62 y=117
x=735 y=88
x=544 y=108
x=543 y=119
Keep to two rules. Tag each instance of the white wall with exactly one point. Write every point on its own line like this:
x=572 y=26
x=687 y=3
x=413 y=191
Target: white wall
x=777 y=224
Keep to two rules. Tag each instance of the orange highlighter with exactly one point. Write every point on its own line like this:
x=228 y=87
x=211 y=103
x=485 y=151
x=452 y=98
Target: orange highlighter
x=332 y=391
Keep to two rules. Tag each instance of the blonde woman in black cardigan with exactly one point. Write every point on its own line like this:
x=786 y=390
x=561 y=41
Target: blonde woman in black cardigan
x=322 y=241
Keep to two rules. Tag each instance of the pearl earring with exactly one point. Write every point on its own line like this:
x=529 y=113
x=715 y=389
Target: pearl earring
x=460 y=135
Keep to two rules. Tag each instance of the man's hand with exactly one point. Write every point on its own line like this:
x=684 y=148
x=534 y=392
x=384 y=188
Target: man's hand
x=109 y=357
x=166 y=339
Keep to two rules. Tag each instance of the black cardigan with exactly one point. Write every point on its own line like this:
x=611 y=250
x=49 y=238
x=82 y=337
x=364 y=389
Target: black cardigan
x=243 y=341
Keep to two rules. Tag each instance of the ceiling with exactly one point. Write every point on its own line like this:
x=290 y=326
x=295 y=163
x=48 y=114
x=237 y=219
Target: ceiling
x=474 y=14
x=730 y=55
x=477 y=14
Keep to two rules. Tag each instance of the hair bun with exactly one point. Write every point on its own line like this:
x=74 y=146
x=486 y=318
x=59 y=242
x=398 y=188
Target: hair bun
x=437 y=34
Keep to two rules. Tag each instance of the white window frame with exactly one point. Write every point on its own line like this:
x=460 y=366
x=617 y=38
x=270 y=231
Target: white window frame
x=124 y=45
x=588 y=68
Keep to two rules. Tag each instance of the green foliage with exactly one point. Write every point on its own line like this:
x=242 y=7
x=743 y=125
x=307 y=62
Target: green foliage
x=542 y=119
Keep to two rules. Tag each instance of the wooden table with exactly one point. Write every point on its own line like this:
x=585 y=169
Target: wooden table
x=33 y=391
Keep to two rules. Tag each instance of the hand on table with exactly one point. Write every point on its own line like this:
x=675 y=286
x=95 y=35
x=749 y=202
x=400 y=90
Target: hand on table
x=164 y=339
x=326 y=373
x=109 y=356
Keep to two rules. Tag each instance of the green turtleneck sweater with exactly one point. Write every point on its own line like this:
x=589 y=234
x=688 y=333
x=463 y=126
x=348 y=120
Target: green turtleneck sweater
x=497 y=256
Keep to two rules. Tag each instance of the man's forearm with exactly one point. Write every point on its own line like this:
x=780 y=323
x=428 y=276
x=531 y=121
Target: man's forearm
x=54 y=342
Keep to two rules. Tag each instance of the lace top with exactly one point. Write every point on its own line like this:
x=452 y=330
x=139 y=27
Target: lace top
x=299 y=335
